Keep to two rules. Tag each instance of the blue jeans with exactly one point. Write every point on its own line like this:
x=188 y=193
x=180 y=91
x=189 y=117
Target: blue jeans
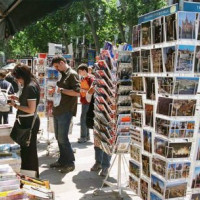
x=61 y=127
x=102 y=158
x=84 y=128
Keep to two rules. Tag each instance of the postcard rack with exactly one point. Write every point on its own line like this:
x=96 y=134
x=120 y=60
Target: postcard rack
x=165 y=149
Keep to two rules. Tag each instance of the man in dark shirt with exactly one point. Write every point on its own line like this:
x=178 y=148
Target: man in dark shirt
x=69 y=87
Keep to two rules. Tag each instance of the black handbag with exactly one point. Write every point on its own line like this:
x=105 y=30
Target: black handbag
x=21 y=135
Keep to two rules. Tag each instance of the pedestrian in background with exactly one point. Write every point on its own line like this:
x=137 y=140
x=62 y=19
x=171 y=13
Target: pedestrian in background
x=69 y=87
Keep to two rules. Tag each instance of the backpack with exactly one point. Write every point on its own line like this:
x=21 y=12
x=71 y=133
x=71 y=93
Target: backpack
x=4 y=107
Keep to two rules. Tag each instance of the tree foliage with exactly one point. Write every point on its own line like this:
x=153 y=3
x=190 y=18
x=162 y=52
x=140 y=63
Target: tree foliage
x=98 y=21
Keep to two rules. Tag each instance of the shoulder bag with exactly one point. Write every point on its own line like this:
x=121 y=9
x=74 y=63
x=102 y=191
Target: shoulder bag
x=21 y=135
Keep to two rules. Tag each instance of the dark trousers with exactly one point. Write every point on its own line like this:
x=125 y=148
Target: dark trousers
x=29 y=155
x=4 y=117
x=61 y=128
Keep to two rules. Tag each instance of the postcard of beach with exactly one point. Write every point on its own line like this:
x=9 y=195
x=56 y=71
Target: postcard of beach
x=186 y=85
x=185 y=58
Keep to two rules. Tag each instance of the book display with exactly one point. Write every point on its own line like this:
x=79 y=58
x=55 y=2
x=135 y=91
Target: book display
x=165 y=140
x=104 y=105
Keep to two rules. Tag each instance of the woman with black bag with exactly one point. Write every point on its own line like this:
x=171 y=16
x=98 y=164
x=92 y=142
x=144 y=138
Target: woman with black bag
x=26 y=110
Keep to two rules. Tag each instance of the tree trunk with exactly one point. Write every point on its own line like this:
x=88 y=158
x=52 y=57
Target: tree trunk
x=92 y=25
x=130 y=34
x=122 y=32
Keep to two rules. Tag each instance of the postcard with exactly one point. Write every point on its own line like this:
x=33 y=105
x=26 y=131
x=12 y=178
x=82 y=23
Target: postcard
x=137 y=102
x=164 y=106
x=149 y=115
x=165 y=85
x=196 y=178
x=195 y=196
x=133 y=184
x=136 y=118
x=183 y=107
x=185 y=58
x=135 y=136
x=146 y=165
x=157 y=184
x=186 y=85
x=52 y=74
x=159 y=166
x=103 y=65
x=157 y=61
x=154 y=197
x=145 y=60
x=135 y=61
x=179 y=150
x=146 y=33
x=169 y=55
x=135 y=152
x=158 y=30
x=106 y=58
x=144 y=189
x=136 y=36
x=41 y=82
x=49 y=107
x=197 y=60
x=186 y=25
x=198 y=32
x=171 y=27
x=124 y=57
x=198 y=150
x=134 y=168
x=137 y=83
x=175 y=190
x=160 y=146
x=147 y=141
x=150 y=88
x=102 y=74
x=122 y=144
x=41 y=107
x=162 y=127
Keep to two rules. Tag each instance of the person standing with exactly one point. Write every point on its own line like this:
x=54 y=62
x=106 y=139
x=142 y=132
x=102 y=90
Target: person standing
x=28 y=101
x=6 y=87
x=69 y=87
x=86 y=82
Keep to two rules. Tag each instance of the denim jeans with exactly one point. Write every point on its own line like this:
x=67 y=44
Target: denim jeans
x=84 y=128
x=102 y=158
x=61 y=127
x=4 y=117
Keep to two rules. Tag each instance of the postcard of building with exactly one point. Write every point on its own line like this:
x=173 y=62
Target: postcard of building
x=164 y=106
x=144 y=189
x=147 y=141
x=133 y=184
x=149 y=115
x=136 y=136
x=198 y=150
x=160 y=146
x=146 y=165
x=135 y=152
x=162 y=127
x=186 y=25
x=157 y=184
x=137 y=102
x=136 y=61
x=136 y=118
x=137 y=83
x=185 y=58
x=145 y=60
x=157 y=60
x=171 y=27
x=197 y=59
x=176 y=190
x=179 y=150
x=159 y=166
x=150 y=88
x=196 y=178
x=195 y=196
x=158 y=30
x=146 y=33
x=134 y=168
x=136 y=36
x=183 y=107
x=169 y=55
x=165 y=85
x=186 y=85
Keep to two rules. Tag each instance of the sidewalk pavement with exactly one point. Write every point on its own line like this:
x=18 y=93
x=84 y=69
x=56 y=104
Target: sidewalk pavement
x=81 y=183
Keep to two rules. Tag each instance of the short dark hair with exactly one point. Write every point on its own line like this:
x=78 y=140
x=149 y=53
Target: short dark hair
x=57 y=59
x=3 y=73
x=83 y=66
